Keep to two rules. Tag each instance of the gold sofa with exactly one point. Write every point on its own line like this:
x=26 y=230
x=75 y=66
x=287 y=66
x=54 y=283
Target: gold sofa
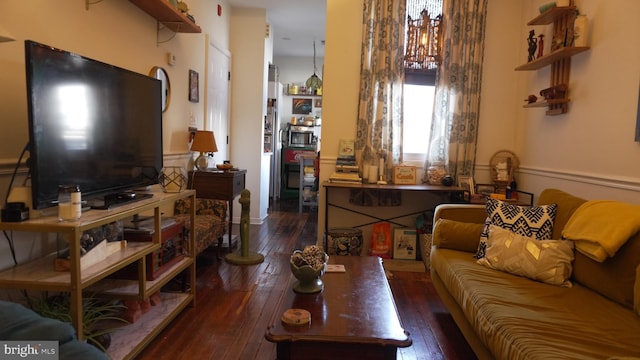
x=504 y=316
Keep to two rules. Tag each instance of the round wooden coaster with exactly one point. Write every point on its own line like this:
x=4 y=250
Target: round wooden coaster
x=296 y=317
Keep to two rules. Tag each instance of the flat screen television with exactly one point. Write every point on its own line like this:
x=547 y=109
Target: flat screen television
x=90 y=124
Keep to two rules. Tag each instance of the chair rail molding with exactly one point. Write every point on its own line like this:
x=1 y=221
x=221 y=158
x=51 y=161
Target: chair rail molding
x=616 y=182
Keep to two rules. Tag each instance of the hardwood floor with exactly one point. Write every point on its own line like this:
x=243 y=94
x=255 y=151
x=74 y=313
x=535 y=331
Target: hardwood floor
x=234 y=303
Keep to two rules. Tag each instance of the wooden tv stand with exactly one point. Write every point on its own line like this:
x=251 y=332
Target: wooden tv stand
x=39 y=274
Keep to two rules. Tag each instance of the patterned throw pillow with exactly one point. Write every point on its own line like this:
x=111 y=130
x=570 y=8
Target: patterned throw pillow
x=531 y=221
x=546 y=261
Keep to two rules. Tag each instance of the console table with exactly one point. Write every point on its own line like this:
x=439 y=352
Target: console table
x=218 y=185
x=456 y=194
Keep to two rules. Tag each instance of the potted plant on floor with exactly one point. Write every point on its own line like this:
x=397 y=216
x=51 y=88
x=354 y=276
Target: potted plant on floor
x=98 y=316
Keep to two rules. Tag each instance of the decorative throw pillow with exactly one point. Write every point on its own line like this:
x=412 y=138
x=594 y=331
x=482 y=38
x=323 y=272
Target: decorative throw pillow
x=531 y=221
x=456 y=235
x=547 y=261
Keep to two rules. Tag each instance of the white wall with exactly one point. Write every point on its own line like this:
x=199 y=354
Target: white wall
x=249 y=79
x=590 y=150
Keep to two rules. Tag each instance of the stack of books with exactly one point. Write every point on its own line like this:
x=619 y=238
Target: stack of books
x=347 y=170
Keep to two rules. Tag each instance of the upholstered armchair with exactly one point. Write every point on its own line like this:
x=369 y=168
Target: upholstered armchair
x=211 y=220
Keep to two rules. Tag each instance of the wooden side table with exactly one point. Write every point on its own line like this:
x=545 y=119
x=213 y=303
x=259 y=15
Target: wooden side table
x=218 y=185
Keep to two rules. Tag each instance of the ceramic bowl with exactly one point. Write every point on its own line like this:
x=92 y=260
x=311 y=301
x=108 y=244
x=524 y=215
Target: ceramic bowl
x=224 y=167
x=309 y=279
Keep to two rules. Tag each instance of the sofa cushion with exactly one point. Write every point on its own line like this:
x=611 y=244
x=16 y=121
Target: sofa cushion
x=211 y=207
x=547 y=261
x=451 y=234
x=613 y=278
x=566 y=203
x=522 y=319
x=21 y=323
x=531 y=221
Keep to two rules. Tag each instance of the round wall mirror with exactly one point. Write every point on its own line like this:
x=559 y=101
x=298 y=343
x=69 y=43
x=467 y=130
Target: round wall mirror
x=161 y=74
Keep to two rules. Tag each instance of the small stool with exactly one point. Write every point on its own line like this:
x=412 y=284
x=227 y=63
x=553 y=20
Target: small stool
x=343 y=241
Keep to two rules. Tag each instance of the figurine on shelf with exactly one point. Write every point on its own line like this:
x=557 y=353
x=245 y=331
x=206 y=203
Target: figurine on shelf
x=502 y=171
x=532 y=45
x=540 y=45
x=531 y=99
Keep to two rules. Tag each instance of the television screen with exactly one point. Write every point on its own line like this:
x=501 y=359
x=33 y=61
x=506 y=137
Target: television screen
x=91 y=124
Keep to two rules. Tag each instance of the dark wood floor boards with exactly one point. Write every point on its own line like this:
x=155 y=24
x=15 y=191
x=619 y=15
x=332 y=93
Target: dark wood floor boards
x=235 y=303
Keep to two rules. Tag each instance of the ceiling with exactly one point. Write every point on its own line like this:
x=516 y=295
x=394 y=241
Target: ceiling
x=295 y=24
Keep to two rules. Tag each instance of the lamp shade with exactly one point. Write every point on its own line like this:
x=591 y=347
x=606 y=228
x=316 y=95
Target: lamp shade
x=204 y=141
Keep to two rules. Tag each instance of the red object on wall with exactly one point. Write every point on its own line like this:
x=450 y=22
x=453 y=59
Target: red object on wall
x=219 y=10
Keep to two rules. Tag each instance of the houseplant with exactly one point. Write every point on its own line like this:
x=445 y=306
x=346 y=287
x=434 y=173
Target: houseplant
x=98 y=315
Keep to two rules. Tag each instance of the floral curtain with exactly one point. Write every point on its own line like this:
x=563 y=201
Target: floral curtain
x=379 y=126
x=454 y=129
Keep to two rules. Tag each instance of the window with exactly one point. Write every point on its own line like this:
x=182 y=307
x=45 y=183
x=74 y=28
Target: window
x=421 y=66
x=418 y=107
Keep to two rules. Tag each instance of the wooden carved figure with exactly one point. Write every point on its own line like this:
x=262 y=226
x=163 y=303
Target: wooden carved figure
x=245 y=203
x=532 y=45
x=540 y=45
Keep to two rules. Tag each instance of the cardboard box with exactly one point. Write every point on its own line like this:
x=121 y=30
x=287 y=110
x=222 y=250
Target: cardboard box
x=404 y=175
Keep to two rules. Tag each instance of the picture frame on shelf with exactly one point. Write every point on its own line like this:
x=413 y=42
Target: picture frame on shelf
x=485 y=189
x=466 y=183
x=405 y=244
x=194 y=84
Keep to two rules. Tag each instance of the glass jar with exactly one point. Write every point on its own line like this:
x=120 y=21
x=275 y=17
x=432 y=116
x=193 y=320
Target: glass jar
x=69 y=202
x=435 y=173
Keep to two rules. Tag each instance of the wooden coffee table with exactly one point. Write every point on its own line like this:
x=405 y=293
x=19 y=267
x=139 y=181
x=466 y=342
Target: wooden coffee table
x=354 y=317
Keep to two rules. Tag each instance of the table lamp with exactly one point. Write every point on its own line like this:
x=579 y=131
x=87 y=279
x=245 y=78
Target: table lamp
x=205 y=142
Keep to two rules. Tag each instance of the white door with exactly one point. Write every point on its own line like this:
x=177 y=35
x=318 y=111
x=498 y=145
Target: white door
x=217 y=106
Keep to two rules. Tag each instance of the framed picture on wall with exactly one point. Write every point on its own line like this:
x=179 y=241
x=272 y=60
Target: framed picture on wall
x=404 y=243
x=301 y=106
x=194 y=82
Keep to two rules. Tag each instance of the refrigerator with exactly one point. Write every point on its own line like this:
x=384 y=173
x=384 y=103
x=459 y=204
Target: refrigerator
x=272 y=137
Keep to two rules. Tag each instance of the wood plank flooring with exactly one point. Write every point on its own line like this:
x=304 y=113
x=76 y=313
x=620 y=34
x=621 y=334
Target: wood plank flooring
x=234 y=303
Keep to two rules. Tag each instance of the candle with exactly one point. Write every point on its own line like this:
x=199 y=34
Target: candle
x=373 y=174
x=381 y=168
x=365 y=171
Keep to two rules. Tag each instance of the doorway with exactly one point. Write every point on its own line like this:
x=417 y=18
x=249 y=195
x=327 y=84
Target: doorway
x=217 y=98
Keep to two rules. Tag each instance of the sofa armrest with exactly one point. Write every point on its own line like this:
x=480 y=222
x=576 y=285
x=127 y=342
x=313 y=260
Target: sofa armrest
x=470 y=213
x=458 y=226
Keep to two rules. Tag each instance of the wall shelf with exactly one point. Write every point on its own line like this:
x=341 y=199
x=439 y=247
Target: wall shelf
x=546 y=103
x=562 y=53
x=559 y=58
x=168 y=15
